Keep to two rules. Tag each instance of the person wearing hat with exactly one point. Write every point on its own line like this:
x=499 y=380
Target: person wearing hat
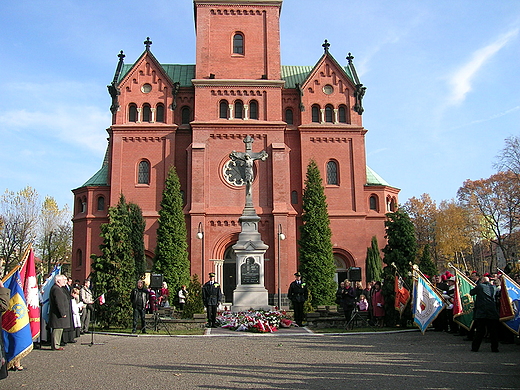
x=211 y=296
x=298 y=294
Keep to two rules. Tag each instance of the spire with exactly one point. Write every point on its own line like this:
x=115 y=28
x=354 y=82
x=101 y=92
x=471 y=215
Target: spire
x=147 y=43
x=359 y=93
x=113 y=90
x=326 y=46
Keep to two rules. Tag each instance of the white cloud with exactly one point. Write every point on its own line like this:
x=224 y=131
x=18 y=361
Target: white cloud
x=461 y=80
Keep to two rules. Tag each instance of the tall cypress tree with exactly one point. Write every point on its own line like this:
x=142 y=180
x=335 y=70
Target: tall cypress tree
x=373 y=263
x=137 y=226
x=171 y=255
x=315 y=245
x=114 y=271
x=401 y=250
x=426 y=264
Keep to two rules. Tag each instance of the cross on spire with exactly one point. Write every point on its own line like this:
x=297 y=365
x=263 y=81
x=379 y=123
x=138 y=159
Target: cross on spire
x=350 y=57
x=326 y=46
x=147 y=43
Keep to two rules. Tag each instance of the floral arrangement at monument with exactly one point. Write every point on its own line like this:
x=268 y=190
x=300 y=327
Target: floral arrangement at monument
x=254 y=321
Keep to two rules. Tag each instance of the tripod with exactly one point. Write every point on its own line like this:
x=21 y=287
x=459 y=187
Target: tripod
x=158 y=323
x=355 y=316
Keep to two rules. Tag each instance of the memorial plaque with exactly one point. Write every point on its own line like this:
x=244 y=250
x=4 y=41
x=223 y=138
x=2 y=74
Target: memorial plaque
x=250 y=272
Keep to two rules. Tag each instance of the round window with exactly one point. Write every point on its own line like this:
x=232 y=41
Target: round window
x=328 y=89
x=146 y=88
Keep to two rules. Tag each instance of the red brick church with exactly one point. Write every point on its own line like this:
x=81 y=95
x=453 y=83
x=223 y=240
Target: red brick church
x=194 y=116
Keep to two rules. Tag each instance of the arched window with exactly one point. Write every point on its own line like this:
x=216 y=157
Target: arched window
x=390 y=204
x=373 y=202
x=332 y=173
x=147 y=113
x=79 y=258
x=239 y=109
x=185 y=115
x=316 y=114
x=223 y=109
x=289 y=116
x=101 y=203
x=342 y=114
x=329 y=114
x=294 y=197
x=132 y=113
x=143 y=174
x=159 y=112
x=253 y=109
x=238 y=44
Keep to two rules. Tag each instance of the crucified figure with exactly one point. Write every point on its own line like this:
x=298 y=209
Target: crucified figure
x=248 y=158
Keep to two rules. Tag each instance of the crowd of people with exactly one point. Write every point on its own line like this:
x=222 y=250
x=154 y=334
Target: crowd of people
x=369 y=301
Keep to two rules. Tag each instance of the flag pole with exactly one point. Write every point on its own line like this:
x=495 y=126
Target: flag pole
x=19 y=265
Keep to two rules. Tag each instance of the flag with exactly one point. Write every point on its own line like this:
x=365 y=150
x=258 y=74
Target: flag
x=427 y=304
x=30 y=289
x=102 y=299
x=46 y=290
x=510 y=304
x=16 y=331
x=463 y=302
x=402 y=295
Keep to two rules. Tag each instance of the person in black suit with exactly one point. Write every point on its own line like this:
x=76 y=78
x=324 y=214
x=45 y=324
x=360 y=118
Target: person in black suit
x=298 y=294
x=59 y=311
x=211 y=296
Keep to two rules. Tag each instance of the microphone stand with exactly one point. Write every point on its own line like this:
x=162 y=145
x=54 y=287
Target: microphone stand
x=93 y=325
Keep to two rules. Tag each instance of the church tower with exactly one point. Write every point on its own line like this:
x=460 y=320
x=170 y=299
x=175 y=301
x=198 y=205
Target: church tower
x=194 y=116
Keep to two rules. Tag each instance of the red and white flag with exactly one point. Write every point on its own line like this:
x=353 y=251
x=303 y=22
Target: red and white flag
x=102 y=299
x=30 y=290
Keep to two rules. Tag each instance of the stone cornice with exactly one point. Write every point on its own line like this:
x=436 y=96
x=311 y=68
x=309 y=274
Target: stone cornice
x=222 y=83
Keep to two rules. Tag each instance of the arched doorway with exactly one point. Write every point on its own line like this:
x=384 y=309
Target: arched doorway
x=229 y=280
x=341 y=268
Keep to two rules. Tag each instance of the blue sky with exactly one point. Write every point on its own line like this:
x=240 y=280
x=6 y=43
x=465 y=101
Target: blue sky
x=442 y=78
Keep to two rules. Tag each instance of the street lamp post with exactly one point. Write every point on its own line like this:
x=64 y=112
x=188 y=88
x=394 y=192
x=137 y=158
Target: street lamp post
x=200 y=236
x=281 y=237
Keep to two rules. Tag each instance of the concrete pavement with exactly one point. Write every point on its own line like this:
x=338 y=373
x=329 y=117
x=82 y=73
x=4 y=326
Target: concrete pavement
x=288 y=359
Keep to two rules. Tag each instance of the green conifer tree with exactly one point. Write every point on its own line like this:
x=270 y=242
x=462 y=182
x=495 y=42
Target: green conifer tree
x=171 y=255
x=137 y=226
x=426 y=264
x=194 y=304
x=401 y=250
x=114 y=271
x=373 y=263
x=315 y=245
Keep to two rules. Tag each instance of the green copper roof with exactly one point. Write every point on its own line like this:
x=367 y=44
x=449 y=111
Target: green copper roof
x=100 y=178
x=185 y=73
x=373 y=179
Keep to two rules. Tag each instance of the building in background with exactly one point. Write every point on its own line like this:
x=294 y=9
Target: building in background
x=194 y=116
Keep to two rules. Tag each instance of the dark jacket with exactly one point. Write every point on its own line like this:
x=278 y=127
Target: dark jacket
x=139 y=298
x=485 y=304
x=211 y=294
x=298 y=292
x=59 y=308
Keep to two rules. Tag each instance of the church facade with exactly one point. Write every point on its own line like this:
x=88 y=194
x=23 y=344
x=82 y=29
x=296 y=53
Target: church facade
x=193 y=116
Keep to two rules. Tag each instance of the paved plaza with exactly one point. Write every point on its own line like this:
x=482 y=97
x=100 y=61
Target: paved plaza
x=288 y=359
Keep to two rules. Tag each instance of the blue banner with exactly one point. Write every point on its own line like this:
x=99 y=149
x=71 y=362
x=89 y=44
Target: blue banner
x=427 y=304
x=46 y=290
x=513 y=293
x=16 y=330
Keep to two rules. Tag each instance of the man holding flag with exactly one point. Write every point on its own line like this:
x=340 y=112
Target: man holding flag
x=486 y=314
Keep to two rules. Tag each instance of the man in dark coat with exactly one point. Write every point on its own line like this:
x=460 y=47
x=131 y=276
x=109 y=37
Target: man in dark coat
x=298 y=294
x=211 y=296
x=59 y=311
x=139 y=298
x=485 y=314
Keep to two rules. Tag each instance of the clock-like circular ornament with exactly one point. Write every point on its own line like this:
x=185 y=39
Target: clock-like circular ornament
x=328 y=89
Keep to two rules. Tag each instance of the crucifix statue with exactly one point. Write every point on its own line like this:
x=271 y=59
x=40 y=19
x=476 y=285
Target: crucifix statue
x=247 y=159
